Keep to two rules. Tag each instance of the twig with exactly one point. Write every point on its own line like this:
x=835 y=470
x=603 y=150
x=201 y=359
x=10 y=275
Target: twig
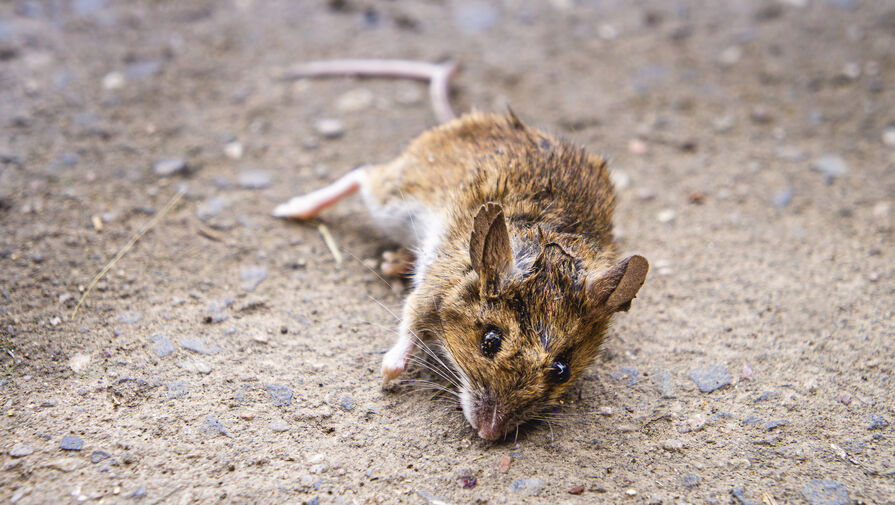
x=210 y=234
x=127 y=247
x=330 y=243
x=767 y=499
x=437 y=74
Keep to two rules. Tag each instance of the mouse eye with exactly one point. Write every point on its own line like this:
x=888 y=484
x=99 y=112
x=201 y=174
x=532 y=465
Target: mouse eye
x=491 y=343
x=559 y=371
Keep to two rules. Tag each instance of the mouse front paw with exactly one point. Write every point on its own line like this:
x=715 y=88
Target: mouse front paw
x=393 y=364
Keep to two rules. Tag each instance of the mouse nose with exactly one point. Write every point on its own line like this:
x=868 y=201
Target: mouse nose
x=490 y=421
x=489 y=432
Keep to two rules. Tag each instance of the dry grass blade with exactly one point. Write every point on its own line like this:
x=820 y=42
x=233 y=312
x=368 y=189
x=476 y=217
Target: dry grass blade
x=330 y=243
x=767 y=499
x=127 y=247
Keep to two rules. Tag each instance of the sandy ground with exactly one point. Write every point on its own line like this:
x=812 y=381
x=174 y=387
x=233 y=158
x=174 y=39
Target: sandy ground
x=228 y=358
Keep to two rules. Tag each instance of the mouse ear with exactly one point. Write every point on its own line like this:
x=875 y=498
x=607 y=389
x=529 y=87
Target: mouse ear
x=489 y=245
x=614 y=289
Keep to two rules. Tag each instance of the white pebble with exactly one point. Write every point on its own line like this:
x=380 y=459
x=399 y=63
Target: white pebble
x=889 y=136
x=665 y=215
x=355 y=100
x=113 y=80
x=330 y=128
x=233 y=150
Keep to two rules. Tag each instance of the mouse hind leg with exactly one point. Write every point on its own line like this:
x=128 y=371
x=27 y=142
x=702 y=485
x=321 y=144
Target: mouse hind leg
x=307 y=206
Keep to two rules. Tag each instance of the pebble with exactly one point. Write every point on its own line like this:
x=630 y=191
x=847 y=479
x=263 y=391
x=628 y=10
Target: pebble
x=233 y=150
x=113 y=81
x=79 y=362
x=577 y=489
x=475 y=17
x=740 y=495
x=330 y=128
x=210 y=208
x=830 y=166
x=161 y=346
x=251 y=276
x=129 y=317
x=765 y=396
x=20 y=451
x=772 y=425
x=142 y=69
x=197 y=346
x=790 y=153
x=620 y=179
x=254 y=179
x=279 y=426
x=528 y=487
x=662 y=380
x=690 y=480
x=782 y=198
x=761 y=115
x=176 y=389
x=724 y=123
x=672 y=445
x=197 y=366
x=71 y=443
x=432 y=499
x=875 y=422
x=711 y=377
x=637 y=146
x=503 y=464
x=730 y=56
x=626 y=375
x=665 y=215
x=169 y=166
x=347 y=403
x=696 y=422
x=138 y=493
x=355 y=100
x=889 y=136
x=281 y=394
x=825 y=492
x=213 y=427
x=98 y=455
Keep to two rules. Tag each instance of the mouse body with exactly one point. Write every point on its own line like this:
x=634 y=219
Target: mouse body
x=515 y=275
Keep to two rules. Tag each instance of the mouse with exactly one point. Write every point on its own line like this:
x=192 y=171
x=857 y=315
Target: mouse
x=515 y=275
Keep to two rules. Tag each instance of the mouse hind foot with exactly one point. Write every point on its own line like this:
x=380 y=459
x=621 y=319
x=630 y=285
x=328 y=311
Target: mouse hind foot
x=309 y=205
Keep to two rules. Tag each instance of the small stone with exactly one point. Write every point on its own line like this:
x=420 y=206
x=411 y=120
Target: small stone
x=169 y=166
x=761 y=115
x=467 y=481
x=626 y=375
x=696 y=197
x=577 y=489
x=330 y=128
x=740 y=495
x=355 y=100
x=71 y=443
x=711 y=377
x=696 y=422
x=790 y=153
x=138 y=493
x=889 y=136
x=782 y=198
x=281 y=394
x=431 y=499
x=845 y=399
x=690 y=480
x=503 y=463
x=233 y=150
x=765 y=396
x=830 y=166
x=825 y=492
x=197 y=346
x=251 y=276
x=772 y=425
x=161 y=346
x=605 y=411
x=129 y=317
x=210 y=208
x=79 y=362
x=528 y=487
x=347 y=403
x=113 y=81
x=752 y=420
x=195 y=365
x=20 y=451
x=730 y=56
x=631 y=492
x=724 y=123
x=662 y=380
x=279 y=426
x=213 y=427
x=665 y=215
x=177 y=389
x=672 y=445
x=254 y=179
x=875 y=422
x=98 y=455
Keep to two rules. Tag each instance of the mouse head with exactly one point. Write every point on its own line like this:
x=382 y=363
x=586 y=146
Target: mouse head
x=521 y=330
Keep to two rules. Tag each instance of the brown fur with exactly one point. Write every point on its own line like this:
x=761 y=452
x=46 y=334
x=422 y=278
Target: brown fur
x=498 y=182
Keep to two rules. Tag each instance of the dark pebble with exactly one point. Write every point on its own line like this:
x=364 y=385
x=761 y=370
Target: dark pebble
x=876 y=422
x=161 y=346
x=825 y=492
x=282 y=395
x=626 y=375
x=97 y=456
x=71 y=443
x=347 y=403
x=710 y=378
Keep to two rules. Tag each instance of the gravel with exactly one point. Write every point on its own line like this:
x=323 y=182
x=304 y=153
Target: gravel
x=628 y=376
x=176 y=389
x=20 y=451
x=739 y=495
x=662 y=380
x=254 y=179
x=690 y=480
x=71 y=443
x=251 y=276
x=98 y=455
x=130 y=317
x=825 y=492
x=282 y=395
x=528 y=487
x=711 y=377
x=278 y=426
x=168 y=167
x=347 y=403
x=161 y=346
x=330 y=128
x=830 y=166
x=197 y=346
x=213 y=427
x=875 y=422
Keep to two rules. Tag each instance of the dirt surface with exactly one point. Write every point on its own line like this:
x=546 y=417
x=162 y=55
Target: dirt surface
x=227 y=357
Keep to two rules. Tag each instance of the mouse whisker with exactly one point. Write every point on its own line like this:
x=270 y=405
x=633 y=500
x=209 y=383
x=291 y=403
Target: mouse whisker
x=425 y=365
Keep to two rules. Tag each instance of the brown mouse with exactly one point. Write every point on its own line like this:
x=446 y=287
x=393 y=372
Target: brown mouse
x=515 y=275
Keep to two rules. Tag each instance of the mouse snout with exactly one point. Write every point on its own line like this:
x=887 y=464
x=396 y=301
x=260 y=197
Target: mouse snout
x=489 y=419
